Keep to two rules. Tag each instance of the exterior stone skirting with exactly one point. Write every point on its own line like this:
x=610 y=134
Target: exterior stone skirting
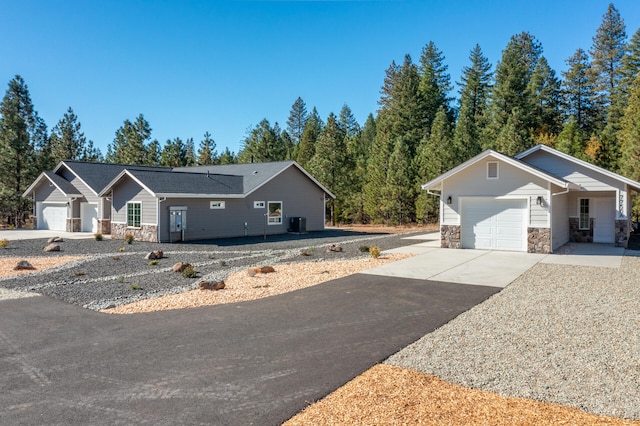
x=450 y=236
x=622 y=233
x=539 y=240
x=577 y=235
x=147 y=233
x=73 y=225
x=104 y=226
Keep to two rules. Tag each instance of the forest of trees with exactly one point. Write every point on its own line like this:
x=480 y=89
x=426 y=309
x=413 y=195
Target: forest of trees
x=591 y=111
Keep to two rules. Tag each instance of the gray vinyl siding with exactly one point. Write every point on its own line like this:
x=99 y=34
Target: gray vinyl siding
x=512 y=182
x=50 y=194
x=573 y=198
x=127 y=190
x=559 y=221
x=300 y=197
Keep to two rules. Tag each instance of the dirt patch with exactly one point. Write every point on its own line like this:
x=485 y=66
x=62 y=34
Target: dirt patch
x=241 y=286
x=40 y=263
x=391 y=395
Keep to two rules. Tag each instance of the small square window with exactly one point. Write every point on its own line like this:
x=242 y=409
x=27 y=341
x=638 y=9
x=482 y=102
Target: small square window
x=258 y=204
x=492 y=170
x=217 y=205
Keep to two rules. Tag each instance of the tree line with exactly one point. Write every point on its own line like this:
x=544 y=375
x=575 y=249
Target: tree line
x=591 y=111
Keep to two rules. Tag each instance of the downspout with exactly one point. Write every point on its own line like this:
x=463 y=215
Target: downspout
x=160 y=200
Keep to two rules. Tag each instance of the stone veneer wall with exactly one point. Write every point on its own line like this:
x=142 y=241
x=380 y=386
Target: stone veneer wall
x=539 y=240
x=144 y=233
x=450 y=236
x=73 y=225
x=577 y=235
x=622 y=233
x=104 y=226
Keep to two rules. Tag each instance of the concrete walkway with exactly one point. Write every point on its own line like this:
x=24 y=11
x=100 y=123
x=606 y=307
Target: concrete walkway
x=33 y=234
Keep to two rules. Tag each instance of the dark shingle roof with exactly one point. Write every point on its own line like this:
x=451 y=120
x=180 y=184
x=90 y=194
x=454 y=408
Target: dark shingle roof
x=98 y=175
x=162 y=182
x=64 y=185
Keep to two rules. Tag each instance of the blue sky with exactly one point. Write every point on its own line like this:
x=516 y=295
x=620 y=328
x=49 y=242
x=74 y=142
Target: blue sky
x=222 y=66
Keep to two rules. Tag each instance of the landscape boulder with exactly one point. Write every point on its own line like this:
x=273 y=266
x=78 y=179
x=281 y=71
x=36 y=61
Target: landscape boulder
x=335 y=248
x=55 y=240
x=180 y=266
x=215 y=285
x=156 y=254
x=52 y=247
x=260 y=270
x=23 y=265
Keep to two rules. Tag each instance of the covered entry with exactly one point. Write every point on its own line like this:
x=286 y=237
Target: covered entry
x=494 y=224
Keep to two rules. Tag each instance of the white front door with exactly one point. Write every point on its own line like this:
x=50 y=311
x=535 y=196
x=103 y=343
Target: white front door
x=89 y=217
x=492 y=224
x=604 y=215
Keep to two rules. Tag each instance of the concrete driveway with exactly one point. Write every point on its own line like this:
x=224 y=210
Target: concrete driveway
x=33 y=234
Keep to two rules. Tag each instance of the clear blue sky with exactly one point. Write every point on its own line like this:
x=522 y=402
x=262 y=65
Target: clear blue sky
x=222 y=66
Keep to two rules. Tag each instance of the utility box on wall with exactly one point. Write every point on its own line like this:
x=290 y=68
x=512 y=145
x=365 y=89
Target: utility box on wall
x=177 y=220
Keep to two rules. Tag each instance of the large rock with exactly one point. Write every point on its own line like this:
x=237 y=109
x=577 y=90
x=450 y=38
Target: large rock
x=55 y=240
x=156 y=254
x=23 y=265
x=180 y=266
x=260 y=270
x=52 y=247
x=335 y=248
x=206 y=285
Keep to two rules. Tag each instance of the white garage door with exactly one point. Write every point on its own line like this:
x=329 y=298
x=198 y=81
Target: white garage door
x=494 y=224
x=52 y=216
x=89 y=217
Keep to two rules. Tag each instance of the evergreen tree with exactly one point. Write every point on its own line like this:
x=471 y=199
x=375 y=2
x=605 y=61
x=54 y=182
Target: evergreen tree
x=190 y=153
x=630 y=68
x=359 y=150
x=348 y=122
x=630 y=134
x=91 y=153
x=375 y=189
x=207 y=153
x=571 y=139
x=22 y=138
x=400 y=204
x=174 y=153
x=435 y=84
x=514 y=136
x=330 y=164
x=307 y=146
x=228 y=157
x=262 y=144
x=578 y=91
x=466 y=136
x=544 y=91
x=152 y=157
x=130 y=143
x=297 y=121
x=67 y=140
x=288 y=146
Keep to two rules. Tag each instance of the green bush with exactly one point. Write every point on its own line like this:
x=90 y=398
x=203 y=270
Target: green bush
x=374 y=252
x=97 y=236
x=364 y=249
x=4 y=243
x=189 y=272
x=153 y=262
x=135 y=286
x=120 y=279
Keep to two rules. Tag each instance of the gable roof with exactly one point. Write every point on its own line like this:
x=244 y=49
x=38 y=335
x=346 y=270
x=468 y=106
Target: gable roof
x=572 y=159
x=96 y=175
x=437 y=182
x=64 y=186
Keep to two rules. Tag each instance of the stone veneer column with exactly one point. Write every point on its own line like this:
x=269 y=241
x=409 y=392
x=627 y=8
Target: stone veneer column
x=622 y=233
x=539 y=240
x=450 y=236
x=73 y=225
x=104 y=226
x=147 y=233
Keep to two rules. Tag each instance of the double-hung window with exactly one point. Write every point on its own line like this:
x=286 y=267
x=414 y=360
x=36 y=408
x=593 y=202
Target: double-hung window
x=134 y=214
x=584 y=213
x=275 y=212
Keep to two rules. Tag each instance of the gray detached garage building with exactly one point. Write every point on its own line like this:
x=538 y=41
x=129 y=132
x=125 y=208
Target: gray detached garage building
x=536 y=201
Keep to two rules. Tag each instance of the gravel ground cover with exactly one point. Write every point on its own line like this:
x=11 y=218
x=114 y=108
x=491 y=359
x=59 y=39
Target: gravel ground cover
x=109 y=277
x=560 y=334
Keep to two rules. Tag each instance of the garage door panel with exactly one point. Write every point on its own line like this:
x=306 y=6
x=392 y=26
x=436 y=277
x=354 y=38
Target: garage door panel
x=494 y=224
x=52 y=217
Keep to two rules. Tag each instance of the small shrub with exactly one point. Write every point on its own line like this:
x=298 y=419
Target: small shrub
x=222 y=263
x=129 y=238
x=120 y=279
x=374 y=252
x=307 y=252
x=189 y=272
x=121 y=249
x=364 y=249
x=153 y=262
x=97 y=236
x=4 y=243
x=135 y=286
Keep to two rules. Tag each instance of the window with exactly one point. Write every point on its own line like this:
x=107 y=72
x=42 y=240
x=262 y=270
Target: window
x=134 y=213
x=275 y=213
x=584 y=213
x=258 y=204
x=217 y=205
x=492 y=170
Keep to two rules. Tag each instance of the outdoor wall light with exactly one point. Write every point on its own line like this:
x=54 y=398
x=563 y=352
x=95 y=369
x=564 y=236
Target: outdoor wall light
x=449 y=199
x=539 y=200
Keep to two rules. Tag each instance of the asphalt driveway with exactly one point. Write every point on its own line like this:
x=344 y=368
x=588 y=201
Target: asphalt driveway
x=256 y=362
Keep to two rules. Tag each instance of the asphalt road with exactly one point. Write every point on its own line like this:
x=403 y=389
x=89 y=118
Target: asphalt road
x=256 y=362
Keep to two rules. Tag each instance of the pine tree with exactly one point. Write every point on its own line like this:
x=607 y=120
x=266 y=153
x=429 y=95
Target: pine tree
x=190 y=153
x=152 y=154
x=91 y=153
x=262 y=144
x=297 y=120
x=400 y=203
x=578 y=91
x=545 y=94
x=330 y=164
x=514 y=136
x=630 y=68
x=630 y=134
x=130 y=143
x=375 y=189
x=67 y=140
x=307 y=146
x=22 y=137
x=207 y=153
x=228 y=157
x=174 y=153
x=571 y=139
x=435 y=84
x=359 y=150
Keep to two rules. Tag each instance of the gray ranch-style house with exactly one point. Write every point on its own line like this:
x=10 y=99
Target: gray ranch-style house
x=160 y=204
x=536 y=202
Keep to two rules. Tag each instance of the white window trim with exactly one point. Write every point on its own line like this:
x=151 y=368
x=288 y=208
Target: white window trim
x=259 y=204
x=217 y=205
x=269 y=217
x=580 y=227
x=497 y=170
x=127 y=215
